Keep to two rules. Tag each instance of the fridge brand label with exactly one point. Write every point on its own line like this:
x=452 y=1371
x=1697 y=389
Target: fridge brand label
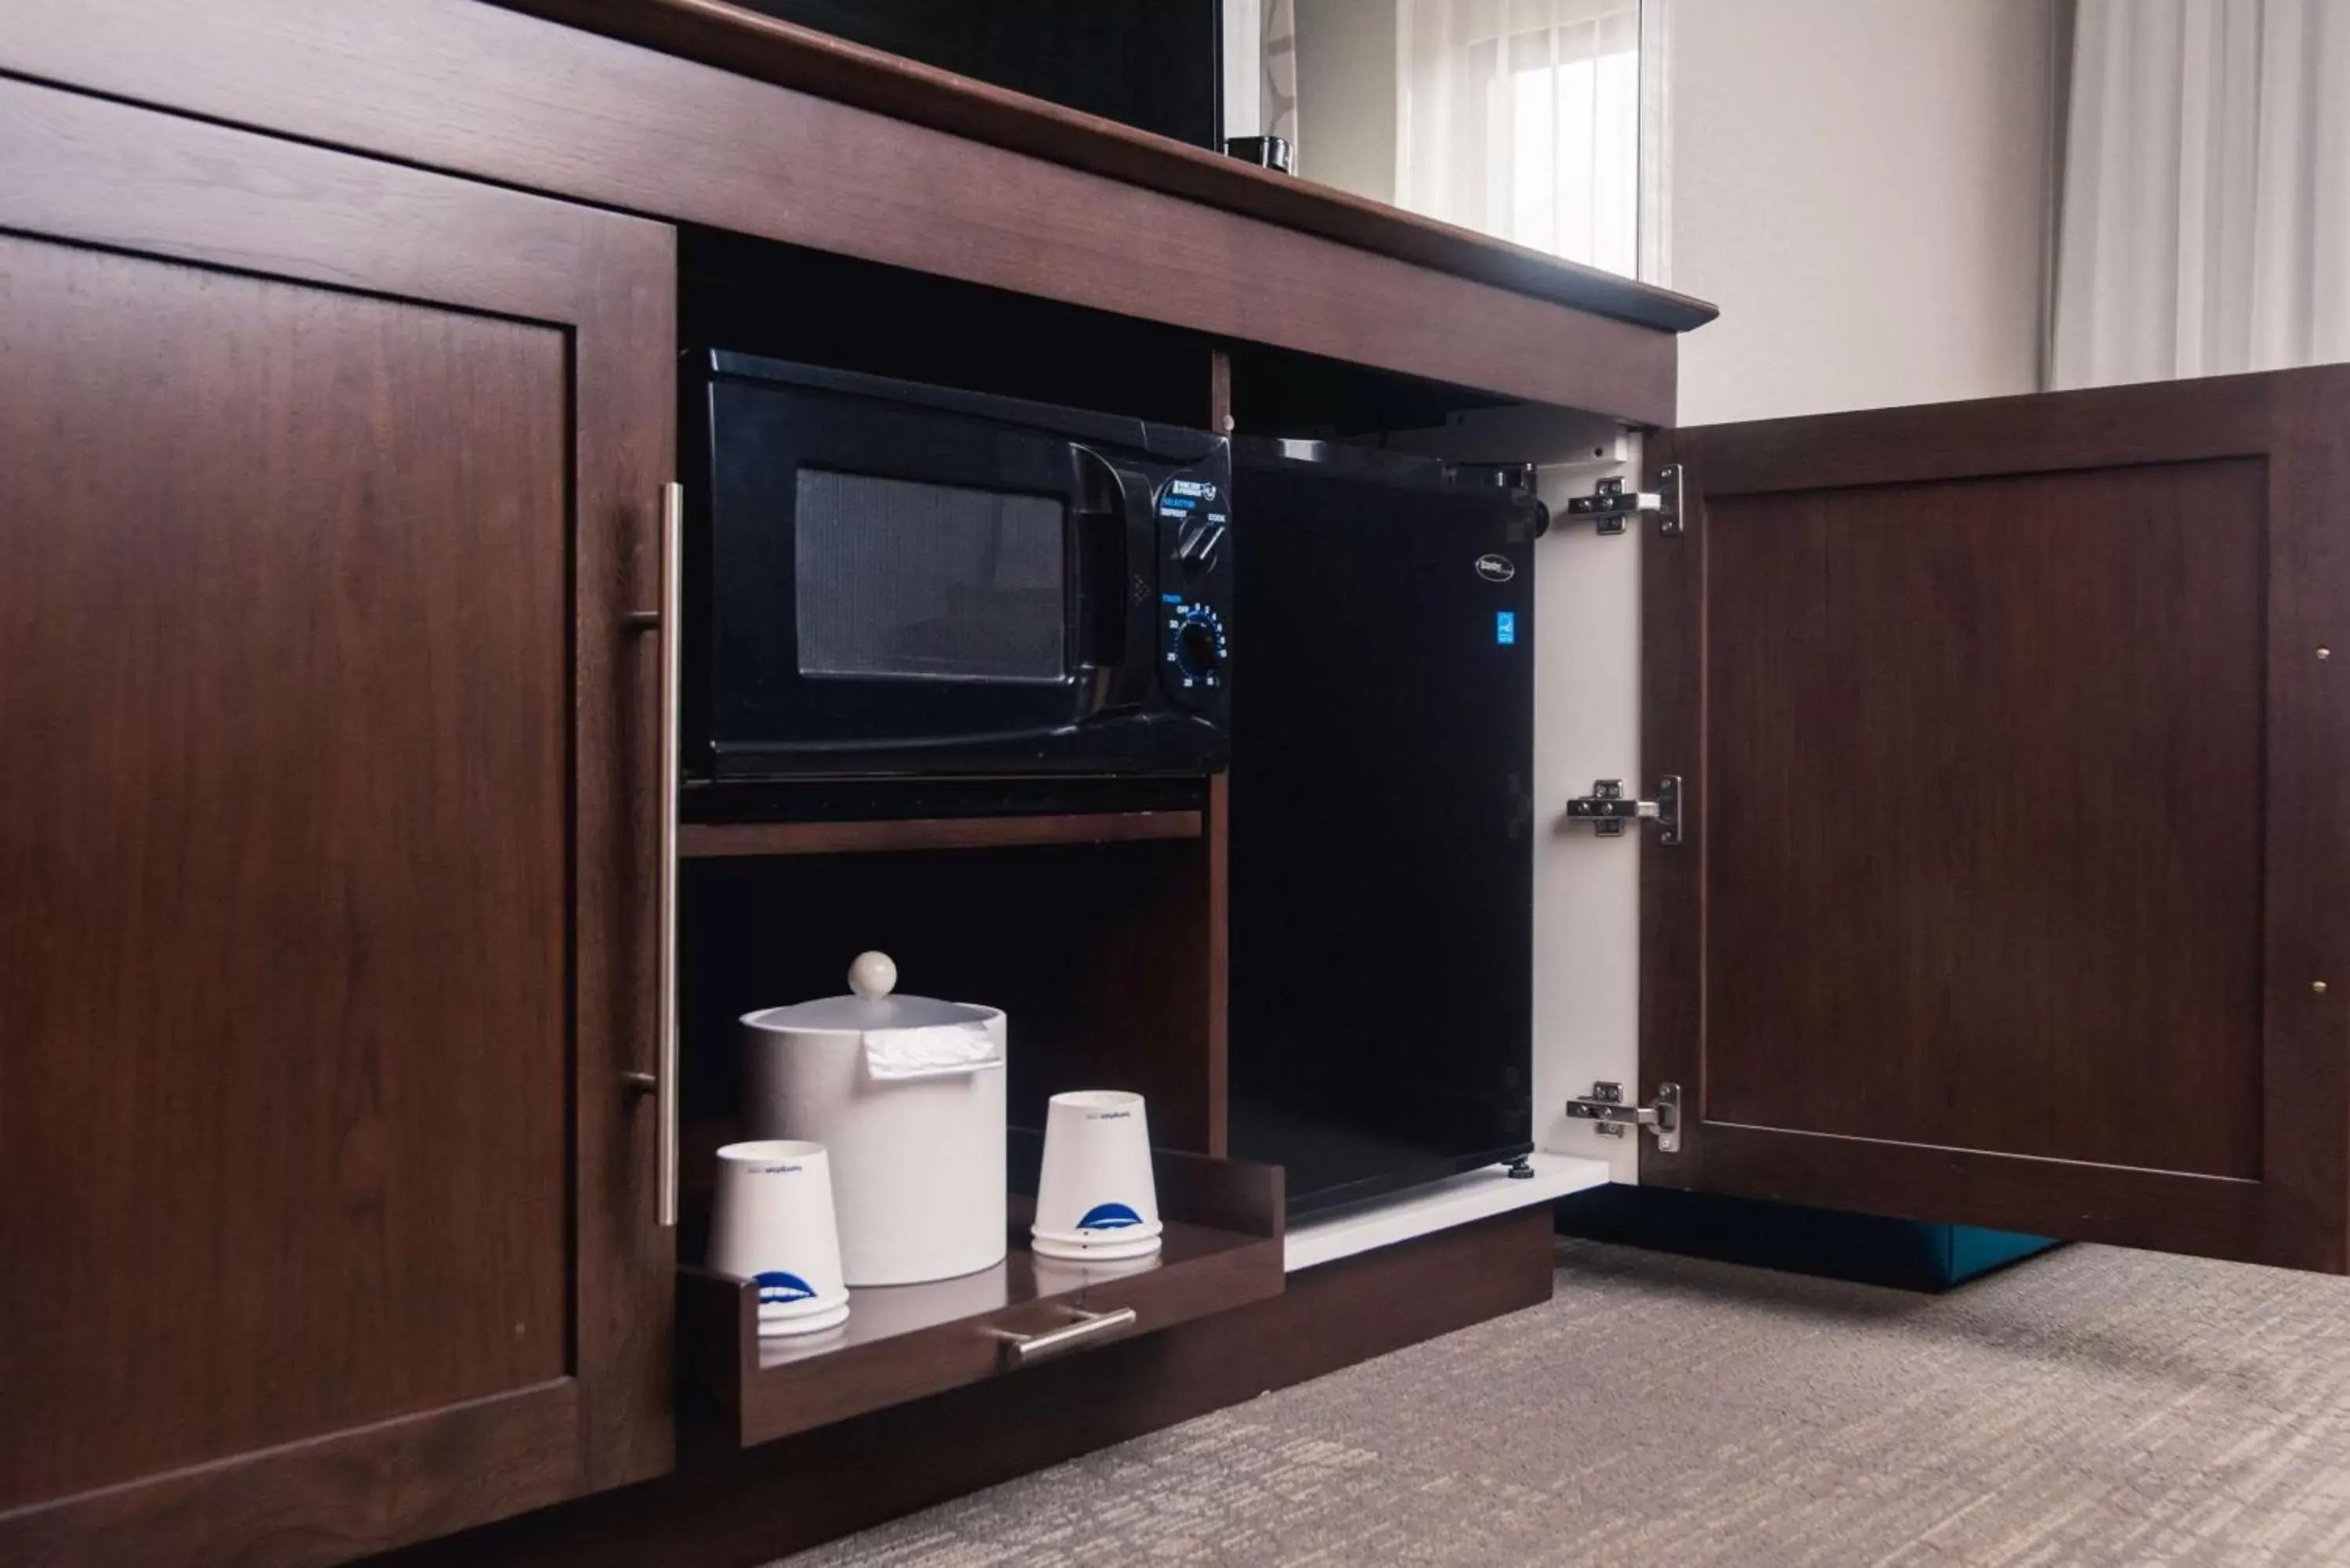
x=1496 y=568
x=1506 y=628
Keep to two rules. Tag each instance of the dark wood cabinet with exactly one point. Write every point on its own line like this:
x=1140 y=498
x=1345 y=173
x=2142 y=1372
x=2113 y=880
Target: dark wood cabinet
x=2010 y=740
x=326 y=486
x=2015 y=752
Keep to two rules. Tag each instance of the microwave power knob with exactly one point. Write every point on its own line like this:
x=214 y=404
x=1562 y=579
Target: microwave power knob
x=1200 y=648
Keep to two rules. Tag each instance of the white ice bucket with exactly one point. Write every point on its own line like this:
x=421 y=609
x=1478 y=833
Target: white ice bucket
x=907 y=1096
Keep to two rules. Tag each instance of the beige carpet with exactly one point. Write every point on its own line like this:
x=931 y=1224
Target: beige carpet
x=2092 y=1406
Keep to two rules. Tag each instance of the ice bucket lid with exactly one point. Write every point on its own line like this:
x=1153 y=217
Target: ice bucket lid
x=871 y=1009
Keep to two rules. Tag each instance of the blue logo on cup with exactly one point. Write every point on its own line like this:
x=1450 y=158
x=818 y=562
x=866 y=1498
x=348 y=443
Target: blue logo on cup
x=1109 y=1216
x=777 y=1288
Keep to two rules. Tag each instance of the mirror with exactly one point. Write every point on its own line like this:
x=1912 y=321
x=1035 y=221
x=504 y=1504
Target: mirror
x=1519 y=119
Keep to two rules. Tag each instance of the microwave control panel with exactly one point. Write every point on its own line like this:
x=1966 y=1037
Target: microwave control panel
x=1195 y=532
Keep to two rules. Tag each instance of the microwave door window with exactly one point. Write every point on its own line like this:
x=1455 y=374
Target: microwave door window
x=897 y=580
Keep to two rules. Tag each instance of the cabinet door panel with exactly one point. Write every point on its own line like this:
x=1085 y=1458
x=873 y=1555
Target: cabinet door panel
x=288 y=1106
x=319 y=1196
x=2013 y=882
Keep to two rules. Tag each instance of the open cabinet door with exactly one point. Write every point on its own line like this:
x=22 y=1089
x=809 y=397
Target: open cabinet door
x=2013 y=884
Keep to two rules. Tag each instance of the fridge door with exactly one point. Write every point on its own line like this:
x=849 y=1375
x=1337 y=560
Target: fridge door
x=2013 y=887
x=1381 y=854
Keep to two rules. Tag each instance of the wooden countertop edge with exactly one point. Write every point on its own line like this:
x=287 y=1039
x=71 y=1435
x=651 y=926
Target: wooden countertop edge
x=714 y=33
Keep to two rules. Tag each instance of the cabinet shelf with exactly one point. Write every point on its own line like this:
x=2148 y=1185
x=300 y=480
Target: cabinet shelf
x=717 y=840
x=1221 y=1249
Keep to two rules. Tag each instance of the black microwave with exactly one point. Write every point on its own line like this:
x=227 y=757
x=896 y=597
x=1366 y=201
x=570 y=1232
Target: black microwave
x=885 y=579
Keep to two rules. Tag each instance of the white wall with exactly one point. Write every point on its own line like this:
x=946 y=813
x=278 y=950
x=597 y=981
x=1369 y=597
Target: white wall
x=1860 y=185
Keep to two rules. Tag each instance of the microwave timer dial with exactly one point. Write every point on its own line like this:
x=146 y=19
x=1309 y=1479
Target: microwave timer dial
x=1195 y=652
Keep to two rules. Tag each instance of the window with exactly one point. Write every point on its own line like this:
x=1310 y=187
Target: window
x=1522 y=119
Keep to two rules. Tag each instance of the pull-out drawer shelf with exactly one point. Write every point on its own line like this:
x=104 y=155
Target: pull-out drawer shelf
x=1221 y=1249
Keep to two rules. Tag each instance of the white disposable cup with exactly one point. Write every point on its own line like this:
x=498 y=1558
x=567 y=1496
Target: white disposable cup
x=771 y=1222
x=1096 y=1198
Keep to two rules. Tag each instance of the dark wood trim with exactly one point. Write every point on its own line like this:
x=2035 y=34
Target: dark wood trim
x=106 y=174
x=1220 y=860
x=719 y=839
x=625 y=453
x=754 y=44
x=2297 y=1212
x=1203 y=1272
x=1673 y=882
x=2209 y=1215
x=489 y=92
x=1219 y=966
x=1206 y=1189
x=67 y=160
x=325 y=1500
x=2036 y=432
x=764 y=1502
x=2305 y=940
x=1211 y=1189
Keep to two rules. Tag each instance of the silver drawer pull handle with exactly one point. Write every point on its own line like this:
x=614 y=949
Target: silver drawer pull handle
x=1022 y=1349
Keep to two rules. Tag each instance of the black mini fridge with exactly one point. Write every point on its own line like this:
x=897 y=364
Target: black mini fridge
x=1381 y=817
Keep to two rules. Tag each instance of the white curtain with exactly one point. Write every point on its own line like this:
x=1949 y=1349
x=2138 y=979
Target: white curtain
x=1277 y=89
x=1522 y=119
x=2205 y=219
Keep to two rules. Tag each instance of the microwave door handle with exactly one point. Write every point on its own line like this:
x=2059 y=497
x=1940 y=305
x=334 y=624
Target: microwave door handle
x=1136 y=675
x=1116 y=503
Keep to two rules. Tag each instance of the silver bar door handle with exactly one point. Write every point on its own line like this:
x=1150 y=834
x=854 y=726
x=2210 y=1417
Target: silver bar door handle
x=672 y=639
x=661 y=1082
x=1024 y=1349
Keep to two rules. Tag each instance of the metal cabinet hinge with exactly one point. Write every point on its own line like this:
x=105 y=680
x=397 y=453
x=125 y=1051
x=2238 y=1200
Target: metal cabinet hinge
x=1607 y=811
x=1609 y=503
x=1606 y=1105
